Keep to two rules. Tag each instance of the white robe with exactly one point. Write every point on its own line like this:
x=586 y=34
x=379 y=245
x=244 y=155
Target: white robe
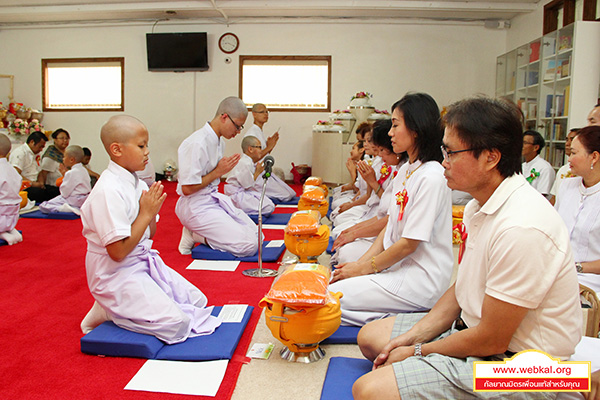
x=276 y=188
x=416 y=282
x=74 y=190
x=579 y=207
x=207 y=212
x=338 y=218
x=10 y=184
x=139 y=293
x=244 y=191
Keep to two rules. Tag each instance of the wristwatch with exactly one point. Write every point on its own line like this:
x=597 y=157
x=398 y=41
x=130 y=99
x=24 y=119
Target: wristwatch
x=579 y=267
x=418 y=352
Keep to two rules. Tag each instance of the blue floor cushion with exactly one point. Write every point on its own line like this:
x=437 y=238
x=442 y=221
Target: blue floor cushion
x=273 y=219
x=110 y=340
x=54 y=215
x=343 y=335
x=342 y=372
x=269 y=254
x=292 y=201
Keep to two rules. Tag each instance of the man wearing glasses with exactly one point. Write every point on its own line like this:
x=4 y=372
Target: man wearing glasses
x=516 y=287
x=277 y=189
x=208 y=216
x=538 y=172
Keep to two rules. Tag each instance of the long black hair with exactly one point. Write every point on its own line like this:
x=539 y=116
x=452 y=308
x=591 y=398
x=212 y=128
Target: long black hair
x=422 y=116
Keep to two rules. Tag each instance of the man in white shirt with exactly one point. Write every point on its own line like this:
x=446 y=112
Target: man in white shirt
x=516 y=287
x=538 y=172
x=277 y=189
x=26 y=160
x=208 y=216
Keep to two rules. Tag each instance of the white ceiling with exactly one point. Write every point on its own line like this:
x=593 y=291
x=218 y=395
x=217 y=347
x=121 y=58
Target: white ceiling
x=19 y=12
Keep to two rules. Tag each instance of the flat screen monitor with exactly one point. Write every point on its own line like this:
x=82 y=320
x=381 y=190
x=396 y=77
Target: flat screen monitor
x=177 y=51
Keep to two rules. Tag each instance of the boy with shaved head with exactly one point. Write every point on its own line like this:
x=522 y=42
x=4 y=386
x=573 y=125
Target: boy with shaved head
x=244 y=183
x=277 y=189
x=10 y=184
x=131 y=284
x=75 y=187
x=208 y=216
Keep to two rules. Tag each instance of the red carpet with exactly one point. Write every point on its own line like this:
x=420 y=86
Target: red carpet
x=45 y=296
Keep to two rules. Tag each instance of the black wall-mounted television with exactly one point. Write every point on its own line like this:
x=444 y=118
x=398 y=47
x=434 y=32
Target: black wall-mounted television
x=177 y=51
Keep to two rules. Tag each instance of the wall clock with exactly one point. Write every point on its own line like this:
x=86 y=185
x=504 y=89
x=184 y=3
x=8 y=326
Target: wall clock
x=229 y=43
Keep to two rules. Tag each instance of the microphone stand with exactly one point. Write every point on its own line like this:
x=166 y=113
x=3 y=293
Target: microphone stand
x=260 y=272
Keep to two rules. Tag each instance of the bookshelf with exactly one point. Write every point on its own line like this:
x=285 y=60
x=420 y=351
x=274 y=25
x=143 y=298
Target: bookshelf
x=556 y=82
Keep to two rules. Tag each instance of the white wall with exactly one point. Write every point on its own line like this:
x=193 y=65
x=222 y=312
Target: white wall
x=448 y=61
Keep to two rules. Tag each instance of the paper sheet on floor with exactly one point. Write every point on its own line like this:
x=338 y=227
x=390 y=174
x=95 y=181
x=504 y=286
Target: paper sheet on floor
x=271 y=226
x=180 y=377
x=211 y=265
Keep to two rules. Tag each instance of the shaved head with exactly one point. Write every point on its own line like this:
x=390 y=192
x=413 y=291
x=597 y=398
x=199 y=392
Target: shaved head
x=249 y=141
x=120 y=129
x=75 y=151
x=5 y=145
x=232 y=106
x=258 y=107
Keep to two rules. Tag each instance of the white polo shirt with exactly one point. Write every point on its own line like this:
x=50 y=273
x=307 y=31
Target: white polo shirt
x=23 y=158
x=518 y=251
x=543 y=182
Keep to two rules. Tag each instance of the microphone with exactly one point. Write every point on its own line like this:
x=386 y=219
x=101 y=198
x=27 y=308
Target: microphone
x=268 y=164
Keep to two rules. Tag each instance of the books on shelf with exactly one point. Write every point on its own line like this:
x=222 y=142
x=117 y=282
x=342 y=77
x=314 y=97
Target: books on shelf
x=549 y=104
x=550 y=70
x=532 y=78
x=564 y=42
x=559 y=105
x=532 y=110
x=558 y=131
x=559 y=157
x=567 y=92
x=564 y=67
x=534 y=51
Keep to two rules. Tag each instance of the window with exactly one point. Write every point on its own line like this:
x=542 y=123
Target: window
x=286 y=83
x=83 y=84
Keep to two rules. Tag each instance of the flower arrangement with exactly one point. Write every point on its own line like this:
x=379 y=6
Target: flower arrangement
x=338 y=123
x=385 y=112
x=341 y=112
x=19 y=127
x=362 y=95
x=321 y=122
x=35 y=125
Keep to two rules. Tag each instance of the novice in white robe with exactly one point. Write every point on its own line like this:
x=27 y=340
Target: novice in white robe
x=207 y=215
x=276 y=187
x=75 y=187
x=10 y=184
x=245 y=182
x=131 y=284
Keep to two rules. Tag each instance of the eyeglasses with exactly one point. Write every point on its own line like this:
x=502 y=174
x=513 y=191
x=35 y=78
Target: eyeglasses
x=262 y=112
x=257 y=147
x=237 y=127
x=531 y=143
x=447 y=153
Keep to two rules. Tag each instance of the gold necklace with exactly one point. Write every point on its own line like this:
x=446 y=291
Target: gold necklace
x=409 y=173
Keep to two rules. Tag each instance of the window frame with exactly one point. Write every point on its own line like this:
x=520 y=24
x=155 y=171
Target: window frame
x=243 y=58
x=47 y=61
